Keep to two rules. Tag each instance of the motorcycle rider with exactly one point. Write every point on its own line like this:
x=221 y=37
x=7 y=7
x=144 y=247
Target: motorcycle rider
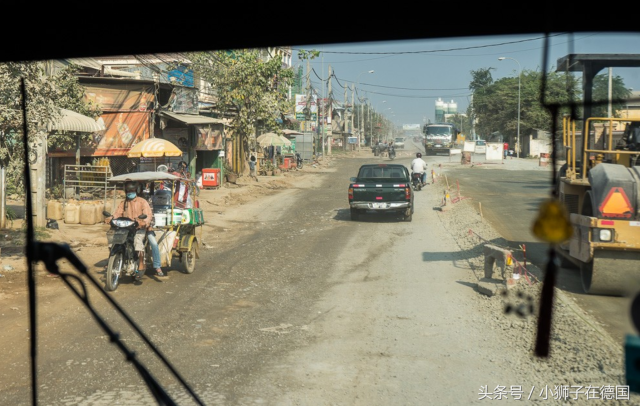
x=392 y=150
x=418 y=165
x=132 y=207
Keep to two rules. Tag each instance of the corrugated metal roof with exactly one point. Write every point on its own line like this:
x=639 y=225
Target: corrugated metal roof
x=119 y=72
x=72 y=121
x=193 y=118
x=86 y=62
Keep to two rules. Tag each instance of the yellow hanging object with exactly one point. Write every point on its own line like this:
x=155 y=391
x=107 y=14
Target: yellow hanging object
x=552 y=224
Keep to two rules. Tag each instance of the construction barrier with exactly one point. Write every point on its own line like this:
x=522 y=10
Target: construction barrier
x=544 y=159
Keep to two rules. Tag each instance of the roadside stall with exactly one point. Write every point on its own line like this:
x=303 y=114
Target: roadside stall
x=274 y=144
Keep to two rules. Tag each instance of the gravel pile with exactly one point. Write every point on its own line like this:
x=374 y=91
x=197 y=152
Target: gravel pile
x=582 y=354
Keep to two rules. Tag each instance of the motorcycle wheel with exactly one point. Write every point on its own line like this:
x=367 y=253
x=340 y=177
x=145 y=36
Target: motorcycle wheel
x=189 y=259
x=114 y=271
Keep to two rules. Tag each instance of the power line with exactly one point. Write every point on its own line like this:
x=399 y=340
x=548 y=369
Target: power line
x=419 y=97
x=415 y=89
x=439 y=50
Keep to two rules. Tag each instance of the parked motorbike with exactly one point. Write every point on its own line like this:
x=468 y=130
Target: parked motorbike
x=416 y=181
x=123 y=259
x=298 y=160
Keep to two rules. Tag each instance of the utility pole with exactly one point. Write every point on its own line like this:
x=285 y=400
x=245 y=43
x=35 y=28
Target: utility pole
x=330 y=115
x=610 y=109
x=473 y=119
x=353 y=107
x=307 y=116
x=361 y=135
x=37 y=165
x=345 y=129
x=370 y=125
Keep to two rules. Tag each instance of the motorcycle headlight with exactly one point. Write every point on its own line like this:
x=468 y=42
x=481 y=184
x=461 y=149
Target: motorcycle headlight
x=123 y=223
x=605 y=234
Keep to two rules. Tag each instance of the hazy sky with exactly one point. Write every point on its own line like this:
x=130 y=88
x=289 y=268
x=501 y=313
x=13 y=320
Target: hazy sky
x=409 y=76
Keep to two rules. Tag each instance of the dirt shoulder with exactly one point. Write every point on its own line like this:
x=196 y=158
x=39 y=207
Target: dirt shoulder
x=222 y=207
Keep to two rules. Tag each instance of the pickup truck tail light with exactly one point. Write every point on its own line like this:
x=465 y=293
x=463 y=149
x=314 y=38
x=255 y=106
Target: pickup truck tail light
x=407 y=193
x=350 y=193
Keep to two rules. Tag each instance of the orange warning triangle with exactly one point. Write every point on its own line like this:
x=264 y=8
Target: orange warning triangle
x=616 y=204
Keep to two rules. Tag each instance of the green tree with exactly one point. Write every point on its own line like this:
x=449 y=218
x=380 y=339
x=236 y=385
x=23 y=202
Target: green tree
x=251 y=88
x=45 y=95
x=619 y=93
x=480 y=86
x=462 y=122
x=497 y=109
x=70 y=95
x=310 y=54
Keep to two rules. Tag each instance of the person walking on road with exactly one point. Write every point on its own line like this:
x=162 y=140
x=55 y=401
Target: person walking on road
x=252 y=167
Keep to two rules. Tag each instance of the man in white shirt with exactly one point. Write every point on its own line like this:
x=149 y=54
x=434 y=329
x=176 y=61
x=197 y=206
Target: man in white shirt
x=420 y=166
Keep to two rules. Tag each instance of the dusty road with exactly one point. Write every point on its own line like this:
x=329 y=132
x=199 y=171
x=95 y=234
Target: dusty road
x=294 y=304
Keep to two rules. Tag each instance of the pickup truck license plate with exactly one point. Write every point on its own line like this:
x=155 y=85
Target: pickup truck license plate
x=379 y=205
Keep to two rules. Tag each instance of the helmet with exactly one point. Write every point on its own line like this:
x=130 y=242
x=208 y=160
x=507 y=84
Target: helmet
x=131 y=186
x=418 y=155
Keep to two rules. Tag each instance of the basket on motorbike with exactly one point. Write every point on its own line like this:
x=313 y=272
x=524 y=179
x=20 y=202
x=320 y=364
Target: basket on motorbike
x=110 y=233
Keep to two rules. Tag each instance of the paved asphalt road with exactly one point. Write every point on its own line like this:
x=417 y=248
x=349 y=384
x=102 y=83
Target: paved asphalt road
x=510 y=192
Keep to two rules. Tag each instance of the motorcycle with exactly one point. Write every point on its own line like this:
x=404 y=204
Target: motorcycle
x=298 y=160
x=416 y=181
x=123 y=259
x=392 y=153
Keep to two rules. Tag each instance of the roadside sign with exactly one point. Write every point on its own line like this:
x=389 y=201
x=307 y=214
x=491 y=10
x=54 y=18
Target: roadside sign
x=469 y=146
x=616 y=204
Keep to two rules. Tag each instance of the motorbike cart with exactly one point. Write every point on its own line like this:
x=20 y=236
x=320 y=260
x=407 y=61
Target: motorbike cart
x=176 y=217
x=123 y=260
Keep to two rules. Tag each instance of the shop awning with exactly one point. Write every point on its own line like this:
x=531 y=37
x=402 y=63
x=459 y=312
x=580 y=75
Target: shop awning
x=193 y=118
x=72 y=121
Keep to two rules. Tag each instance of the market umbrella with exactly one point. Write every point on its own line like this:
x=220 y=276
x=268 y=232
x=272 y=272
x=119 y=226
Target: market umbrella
x=272 y=139
x=154 y=148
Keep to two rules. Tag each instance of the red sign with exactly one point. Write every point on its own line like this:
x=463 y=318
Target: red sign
x=616 y=204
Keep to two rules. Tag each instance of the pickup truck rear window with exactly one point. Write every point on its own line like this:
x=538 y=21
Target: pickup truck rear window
x=382 y=173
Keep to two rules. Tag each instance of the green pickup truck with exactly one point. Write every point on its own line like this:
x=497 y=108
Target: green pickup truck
x=381 y=188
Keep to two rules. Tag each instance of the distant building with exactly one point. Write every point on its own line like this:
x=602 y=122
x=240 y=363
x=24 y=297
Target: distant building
x=443 y=109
